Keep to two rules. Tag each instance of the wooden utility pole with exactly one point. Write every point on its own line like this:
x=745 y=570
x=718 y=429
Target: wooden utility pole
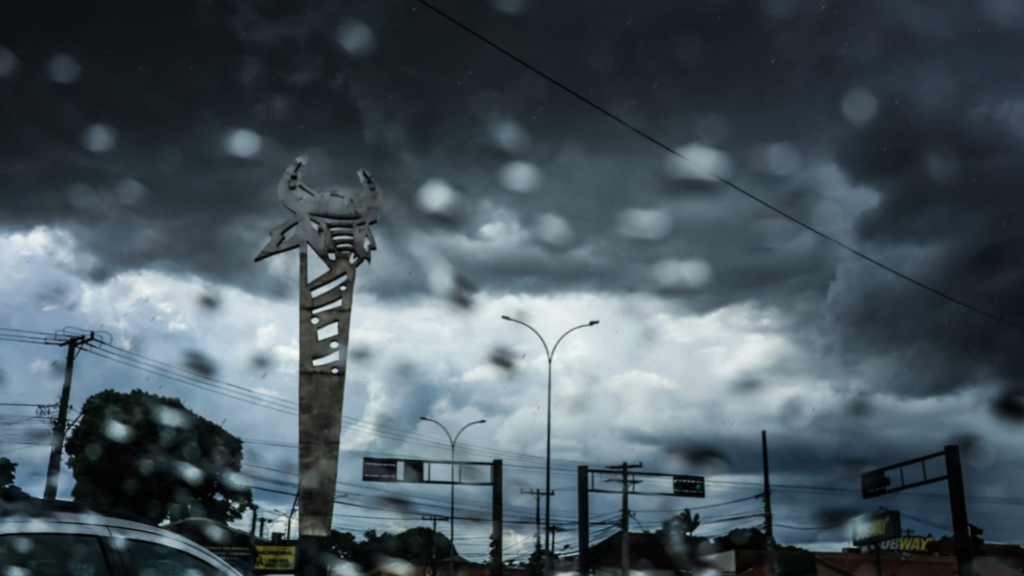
x=60 y=427
x=537 y=494
x=625 y=467
x=769 y=533
x=433 y=540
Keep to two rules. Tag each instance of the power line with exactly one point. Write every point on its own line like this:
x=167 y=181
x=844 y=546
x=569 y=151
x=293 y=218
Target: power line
x=722 y=180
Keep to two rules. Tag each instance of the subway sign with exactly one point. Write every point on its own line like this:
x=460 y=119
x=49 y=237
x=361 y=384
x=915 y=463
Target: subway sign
x=904 y=544
x=876 y=528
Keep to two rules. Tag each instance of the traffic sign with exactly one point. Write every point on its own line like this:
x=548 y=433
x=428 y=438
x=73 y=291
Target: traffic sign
x=692 y=486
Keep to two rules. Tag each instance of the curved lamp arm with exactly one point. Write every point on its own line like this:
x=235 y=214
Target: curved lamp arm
x=464 y=429
x=546 y=351
x=450 y=441
x=587 y=325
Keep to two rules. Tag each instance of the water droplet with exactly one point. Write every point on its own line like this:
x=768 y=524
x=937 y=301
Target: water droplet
x=510 y=136
x=357 y=38
x=519 y=176
x=510 y=6
x=943 y=166
x=82 y=196
x=129 y=192
x=553 y=230
x=438 y=198
x=243 y=143
x=99 y=138
x=8 y=62
x=781 y=158
x=640 y=224
x=699 y=162
x=118 y=432
x=689 y=274
x=63 y=69
x=859 y=106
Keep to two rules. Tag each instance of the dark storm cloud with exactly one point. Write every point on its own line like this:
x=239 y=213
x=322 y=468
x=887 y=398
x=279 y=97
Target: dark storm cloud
x=948 y=215
x=414 y=98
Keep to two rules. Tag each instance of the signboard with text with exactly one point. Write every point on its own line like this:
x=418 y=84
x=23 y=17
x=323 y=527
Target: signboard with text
x=918 y=544
x=239 y=557
x=275 y=558
x=875 y=528
x=688 y=486
x=392 y=470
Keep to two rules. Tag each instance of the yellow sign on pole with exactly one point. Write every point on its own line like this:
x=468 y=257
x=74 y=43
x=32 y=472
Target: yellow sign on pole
x=275 y=557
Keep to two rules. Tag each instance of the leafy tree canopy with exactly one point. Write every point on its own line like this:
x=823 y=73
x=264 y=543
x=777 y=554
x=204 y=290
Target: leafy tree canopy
x=8 y=491
x=150 y=456
x=413 y=545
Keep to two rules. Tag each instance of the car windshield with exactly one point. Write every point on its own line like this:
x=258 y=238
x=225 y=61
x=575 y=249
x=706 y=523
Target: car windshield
x=439 y=287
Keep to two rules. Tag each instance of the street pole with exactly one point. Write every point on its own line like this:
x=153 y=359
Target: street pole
x=452 y=441
x=625 y=519
x=497 y=515
x=537 y=494
x=583 y=498
x=958 y=506
x=547 y=466
x=60 y=428
x=290 y=514
x=768 y=531
x=625 y=466
x=433 y=541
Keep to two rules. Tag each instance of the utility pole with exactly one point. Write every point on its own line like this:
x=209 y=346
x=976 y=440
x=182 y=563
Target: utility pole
x=537 y=494
x=625 y=467
x=958 y=506
x=433 y=540
x=60 y=428
x=295 y=503
x=252 y=530
x=769 y=533
x=497 y=513
x=583 y=500
x=263 y=522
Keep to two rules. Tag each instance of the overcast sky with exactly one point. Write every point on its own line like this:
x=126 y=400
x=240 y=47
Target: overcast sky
x=141 y=146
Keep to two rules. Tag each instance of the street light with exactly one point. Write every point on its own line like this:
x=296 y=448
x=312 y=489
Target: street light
x=451 y=522
x=547 y=467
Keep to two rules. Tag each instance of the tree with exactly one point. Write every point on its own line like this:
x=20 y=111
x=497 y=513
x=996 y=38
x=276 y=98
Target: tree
x=689 y=522
x=413 y=545
x=342 y=544
x=8 y=491
x=150 y=456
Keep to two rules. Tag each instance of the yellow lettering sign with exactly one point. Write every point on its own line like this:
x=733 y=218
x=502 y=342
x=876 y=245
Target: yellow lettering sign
x=275 y=557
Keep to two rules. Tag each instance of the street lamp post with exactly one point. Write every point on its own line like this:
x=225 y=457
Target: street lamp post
x=451 y=520
x=547 y=467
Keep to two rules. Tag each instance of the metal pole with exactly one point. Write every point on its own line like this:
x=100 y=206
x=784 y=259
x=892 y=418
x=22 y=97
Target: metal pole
x=547 y=472
x=625 y=519
x=60 y=428
x=451 y=525
x=497 y=512
x=453 y=442
x=547 y=465
x=768 y=531
x=958 y=506
x=538 y=520
x=583 y=498
x=290 y=514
